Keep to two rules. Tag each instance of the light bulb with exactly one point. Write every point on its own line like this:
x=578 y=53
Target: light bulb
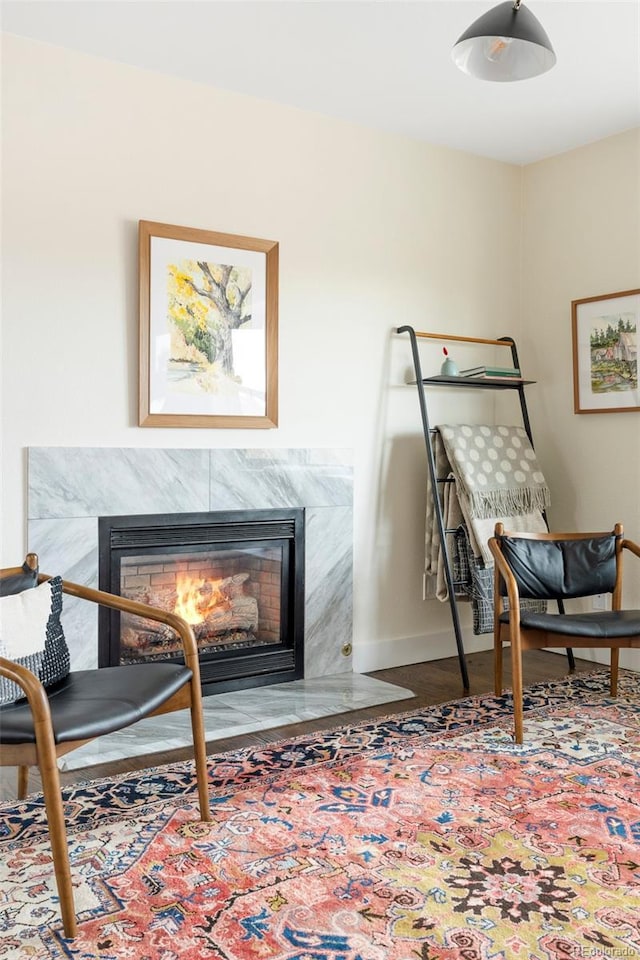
x=497 y=47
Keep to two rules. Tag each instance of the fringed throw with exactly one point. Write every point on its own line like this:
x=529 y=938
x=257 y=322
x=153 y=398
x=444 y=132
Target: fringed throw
x=496 y=469
x=466 y=544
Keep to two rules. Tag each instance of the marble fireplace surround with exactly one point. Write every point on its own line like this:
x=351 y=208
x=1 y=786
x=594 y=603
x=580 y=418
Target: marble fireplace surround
x=70 y=487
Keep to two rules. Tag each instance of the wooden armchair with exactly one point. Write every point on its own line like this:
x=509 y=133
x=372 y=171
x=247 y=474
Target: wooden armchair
x=559 y=566
x=46 y=722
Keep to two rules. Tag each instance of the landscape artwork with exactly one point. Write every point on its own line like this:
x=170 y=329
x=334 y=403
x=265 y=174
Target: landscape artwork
x=605 y=349
x=208 y=328
x=614 y=353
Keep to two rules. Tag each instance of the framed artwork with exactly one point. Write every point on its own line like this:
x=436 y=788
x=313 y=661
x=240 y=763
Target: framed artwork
x=605 y=353
x=208 y=328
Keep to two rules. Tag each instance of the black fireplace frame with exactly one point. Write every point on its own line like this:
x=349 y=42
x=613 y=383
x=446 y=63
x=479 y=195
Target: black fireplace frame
x=221 y=671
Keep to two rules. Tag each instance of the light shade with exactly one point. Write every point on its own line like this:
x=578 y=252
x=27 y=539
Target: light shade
x=506 y=43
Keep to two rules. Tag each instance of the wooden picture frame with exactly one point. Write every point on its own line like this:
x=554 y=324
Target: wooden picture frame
x=208 y=328
x=605 y=353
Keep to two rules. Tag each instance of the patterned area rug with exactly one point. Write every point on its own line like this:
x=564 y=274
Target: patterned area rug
x=423 y=835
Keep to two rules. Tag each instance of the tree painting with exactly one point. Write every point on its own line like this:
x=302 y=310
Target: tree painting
x=206 y=303
x=614 y=353
x=208 y=328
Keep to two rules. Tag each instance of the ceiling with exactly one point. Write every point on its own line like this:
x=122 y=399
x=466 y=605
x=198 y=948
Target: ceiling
x=383 y=64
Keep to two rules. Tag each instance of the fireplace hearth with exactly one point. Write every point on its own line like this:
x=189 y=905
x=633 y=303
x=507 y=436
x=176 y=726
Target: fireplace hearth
x=236 y=576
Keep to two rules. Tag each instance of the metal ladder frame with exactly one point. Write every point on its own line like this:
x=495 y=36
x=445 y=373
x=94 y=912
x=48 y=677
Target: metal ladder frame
x=435 y=480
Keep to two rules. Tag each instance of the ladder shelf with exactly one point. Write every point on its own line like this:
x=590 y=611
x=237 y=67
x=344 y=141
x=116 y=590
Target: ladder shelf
x=484 y=383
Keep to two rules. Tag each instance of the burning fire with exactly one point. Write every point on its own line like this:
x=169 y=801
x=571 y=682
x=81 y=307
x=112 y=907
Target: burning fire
x=197 y=598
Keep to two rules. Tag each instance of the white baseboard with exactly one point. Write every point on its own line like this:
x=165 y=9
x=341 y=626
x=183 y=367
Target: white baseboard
x=629 y=659
x=400 y=651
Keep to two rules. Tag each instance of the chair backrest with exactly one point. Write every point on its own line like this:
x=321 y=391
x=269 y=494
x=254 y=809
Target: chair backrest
x=560 y=569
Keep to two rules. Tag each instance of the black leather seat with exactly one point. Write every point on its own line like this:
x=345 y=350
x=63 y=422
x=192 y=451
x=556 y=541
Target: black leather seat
x=92 y=703
x=599 y=625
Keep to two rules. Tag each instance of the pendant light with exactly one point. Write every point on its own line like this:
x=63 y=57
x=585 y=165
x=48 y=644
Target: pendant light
x=506 y=43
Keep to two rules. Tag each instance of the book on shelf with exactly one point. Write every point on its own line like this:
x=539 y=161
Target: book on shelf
x=485 y=371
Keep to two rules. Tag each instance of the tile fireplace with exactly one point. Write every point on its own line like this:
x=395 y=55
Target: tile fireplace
x=236 y=576
x=71 y=488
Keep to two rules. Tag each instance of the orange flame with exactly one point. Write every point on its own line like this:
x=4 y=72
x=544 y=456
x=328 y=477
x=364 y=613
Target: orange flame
x=197 y=598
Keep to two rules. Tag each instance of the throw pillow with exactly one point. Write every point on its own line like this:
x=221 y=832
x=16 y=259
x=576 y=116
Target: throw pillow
x=31 y=634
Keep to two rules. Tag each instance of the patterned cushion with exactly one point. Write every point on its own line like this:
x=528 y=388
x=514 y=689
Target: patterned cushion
x=31 y=634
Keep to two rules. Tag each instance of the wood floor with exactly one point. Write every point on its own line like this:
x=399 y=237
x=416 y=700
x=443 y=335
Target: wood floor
x=432 y=682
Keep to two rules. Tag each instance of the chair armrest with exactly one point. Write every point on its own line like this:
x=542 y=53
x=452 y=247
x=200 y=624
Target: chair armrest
x=630 y=545
x=503 y=568
x=182 y=628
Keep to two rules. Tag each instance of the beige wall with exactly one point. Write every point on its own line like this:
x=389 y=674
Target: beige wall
x=581 y=238
x=374 y=231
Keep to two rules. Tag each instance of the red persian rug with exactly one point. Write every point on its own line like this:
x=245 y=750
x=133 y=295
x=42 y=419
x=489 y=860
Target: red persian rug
x=424 y=835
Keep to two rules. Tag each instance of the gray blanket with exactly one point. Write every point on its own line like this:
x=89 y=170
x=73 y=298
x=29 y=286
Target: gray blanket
x=494 y=469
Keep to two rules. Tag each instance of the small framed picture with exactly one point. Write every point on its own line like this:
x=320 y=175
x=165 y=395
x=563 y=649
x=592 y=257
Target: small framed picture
x=208 y=328
x=605 y=353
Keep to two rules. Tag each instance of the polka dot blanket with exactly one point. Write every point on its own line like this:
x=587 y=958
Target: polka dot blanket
x=496 y=469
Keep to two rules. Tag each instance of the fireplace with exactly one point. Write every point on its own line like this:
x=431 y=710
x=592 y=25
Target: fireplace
x=236 y=576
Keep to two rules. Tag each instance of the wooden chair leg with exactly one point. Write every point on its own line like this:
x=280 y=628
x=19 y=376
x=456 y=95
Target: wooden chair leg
x=497 y=665
x=516 y=670
x=200 y=751
x=23 y=782
x=615 y=660
x=57 y=830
